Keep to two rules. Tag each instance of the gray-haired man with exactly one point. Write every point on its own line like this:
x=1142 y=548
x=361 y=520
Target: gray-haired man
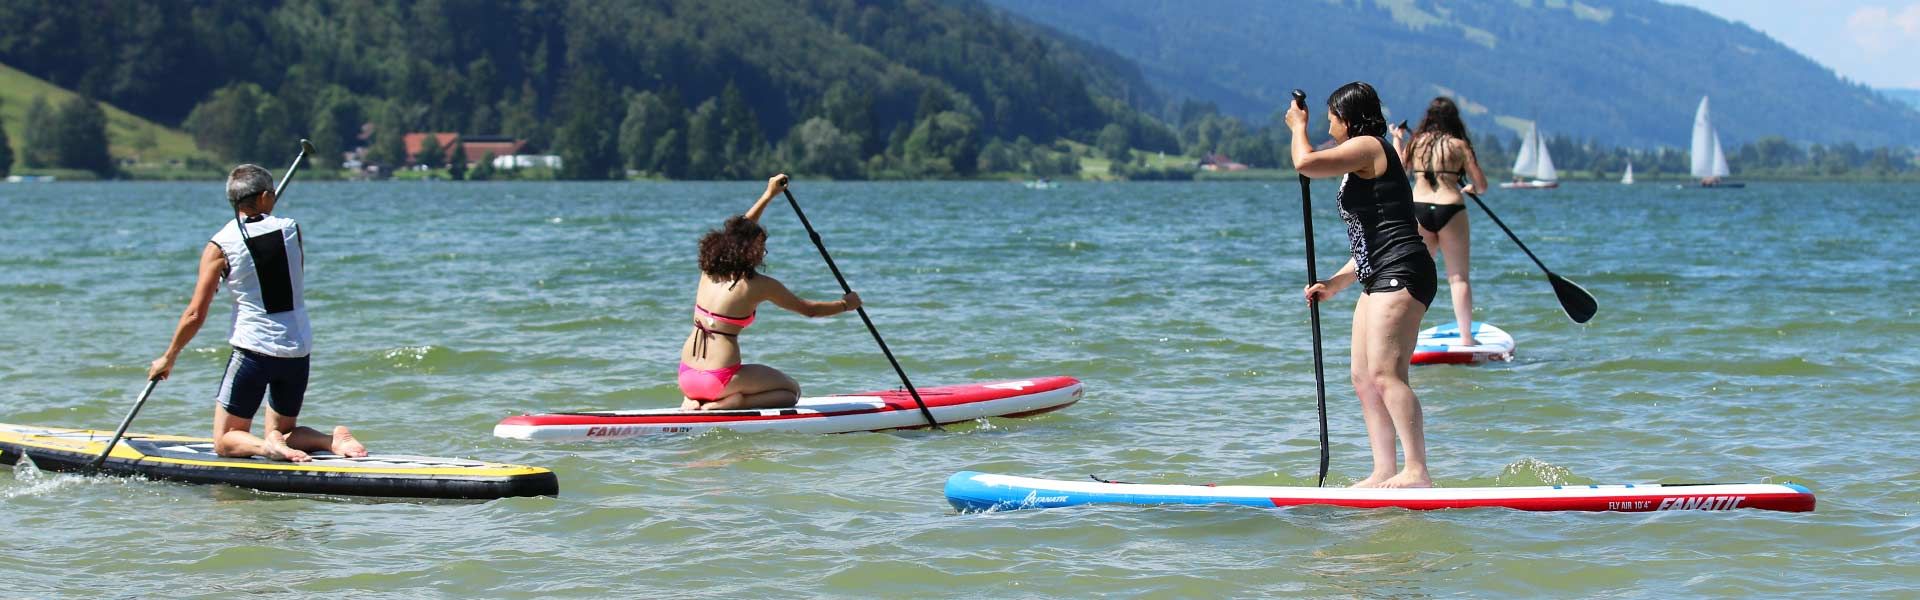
x=260 y=258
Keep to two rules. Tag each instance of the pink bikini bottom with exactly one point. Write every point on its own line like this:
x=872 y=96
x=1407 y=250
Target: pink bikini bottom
x=705 y=385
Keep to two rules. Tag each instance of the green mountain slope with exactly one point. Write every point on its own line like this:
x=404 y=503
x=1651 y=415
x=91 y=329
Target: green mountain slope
x=1620 y=72
x=486 y=66
x=129 y=137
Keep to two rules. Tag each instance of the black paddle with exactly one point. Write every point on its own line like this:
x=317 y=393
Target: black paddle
x=862 y=310
x=117 y=433
x=1574 y=299
x=281 y=188
x=305 y=147
x=1319 y=361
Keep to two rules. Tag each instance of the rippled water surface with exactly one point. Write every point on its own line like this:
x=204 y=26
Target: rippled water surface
x=1753 y=335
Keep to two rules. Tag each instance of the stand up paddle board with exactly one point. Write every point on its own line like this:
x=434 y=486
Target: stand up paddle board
x=1441 y=345
x=871 y=411
x=192 y=460
x=970 y=491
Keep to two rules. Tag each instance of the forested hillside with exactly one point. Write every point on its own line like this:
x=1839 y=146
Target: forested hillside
x=1620 y=72
x=1907 y=95
x=679 y=88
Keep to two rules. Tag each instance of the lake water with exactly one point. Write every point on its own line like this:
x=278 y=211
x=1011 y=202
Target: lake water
x=1757 y=335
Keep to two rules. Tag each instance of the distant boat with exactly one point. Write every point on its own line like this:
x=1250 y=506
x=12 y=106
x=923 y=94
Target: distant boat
x=1533 y=162
x=30 y=179
x=1709 y=161
x=1041 y=184
x=1627 y=179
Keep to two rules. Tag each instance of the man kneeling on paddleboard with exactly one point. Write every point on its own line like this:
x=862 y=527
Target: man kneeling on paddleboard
x=728 y=296
x=260 y=257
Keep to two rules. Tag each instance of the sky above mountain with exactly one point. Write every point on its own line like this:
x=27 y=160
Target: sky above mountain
x=1869 y=41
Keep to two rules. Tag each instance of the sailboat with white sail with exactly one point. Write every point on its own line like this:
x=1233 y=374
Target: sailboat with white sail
x=1627 y=179
x=1533 y=162
x=1709 y=161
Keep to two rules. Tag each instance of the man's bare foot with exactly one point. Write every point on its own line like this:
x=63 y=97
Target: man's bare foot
x=1467 y=340
x=276 y=449
x=1372 y=480
x=345 y=445
x=1408 y=479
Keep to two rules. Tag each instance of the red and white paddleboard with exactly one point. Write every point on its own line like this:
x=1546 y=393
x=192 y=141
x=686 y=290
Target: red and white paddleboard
x=871 y=411
x=970 y=491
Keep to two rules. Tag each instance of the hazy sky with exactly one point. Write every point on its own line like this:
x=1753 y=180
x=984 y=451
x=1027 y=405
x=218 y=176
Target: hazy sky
x=1869 y=41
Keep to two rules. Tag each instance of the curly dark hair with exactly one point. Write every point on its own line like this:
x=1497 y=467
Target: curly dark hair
x=734 y=250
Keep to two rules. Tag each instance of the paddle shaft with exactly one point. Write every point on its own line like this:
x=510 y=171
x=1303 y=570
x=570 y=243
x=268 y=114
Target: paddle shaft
x=122 y=431
x=822 y=246
x=278 y=189
x=1313 y=307
x=1503 y=227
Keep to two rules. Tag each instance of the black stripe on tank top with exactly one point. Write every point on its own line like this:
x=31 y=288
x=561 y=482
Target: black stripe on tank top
x=269 y=251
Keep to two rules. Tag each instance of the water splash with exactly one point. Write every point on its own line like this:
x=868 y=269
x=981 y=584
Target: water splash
x=1533 y=471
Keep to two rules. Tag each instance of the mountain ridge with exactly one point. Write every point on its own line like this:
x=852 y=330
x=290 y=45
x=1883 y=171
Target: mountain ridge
x=1628 y=72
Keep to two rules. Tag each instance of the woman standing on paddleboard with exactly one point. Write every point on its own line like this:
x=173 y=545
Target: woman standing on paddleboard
x=1392 y=266
x=1441 y=156
x=711 y=375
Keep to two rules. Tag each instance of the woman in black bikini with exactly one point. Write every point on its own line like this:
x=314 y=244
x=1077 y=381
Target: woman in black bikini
x=1394 y=269
x=1441 y=157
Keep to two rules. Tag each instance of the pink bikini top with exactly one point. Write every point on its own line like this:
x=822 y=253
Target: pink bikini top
x=704 y=320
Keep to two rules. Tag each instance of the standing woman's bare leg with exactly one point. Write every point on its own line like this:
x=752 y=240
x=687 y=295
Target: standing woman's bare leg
x=1372 y=409
x=1393 y=321
x=1455 y=243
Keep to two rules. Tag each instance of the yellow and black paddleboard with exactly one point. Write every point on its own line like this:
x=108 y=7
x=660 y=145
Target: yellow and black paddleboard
x=192 y=460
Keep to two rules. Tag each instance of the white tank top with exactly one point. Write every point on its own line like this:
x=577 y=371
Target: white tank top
x=265 y=276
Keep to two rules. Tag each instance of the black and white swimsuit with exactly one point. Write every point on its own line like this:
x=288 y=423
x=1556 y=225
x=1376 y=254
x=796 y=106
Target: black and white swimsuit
x=1388 y=254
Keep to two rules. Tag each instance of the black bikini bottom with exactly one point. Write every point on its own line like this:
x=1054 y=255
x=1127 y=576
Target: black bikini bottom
x=1433 y=217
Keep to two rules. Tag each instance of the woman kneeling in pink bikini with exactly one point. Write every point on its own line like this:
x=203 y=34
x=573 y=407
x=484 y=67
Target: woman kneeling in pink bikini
x=711 y=376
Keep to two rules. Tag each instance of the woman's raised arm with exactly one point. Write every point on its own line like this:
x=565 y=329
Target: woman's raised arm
x=775 y=185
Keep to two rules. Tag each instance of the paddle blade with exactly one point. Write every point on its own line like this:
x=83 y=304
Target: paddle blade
x=1579 y=304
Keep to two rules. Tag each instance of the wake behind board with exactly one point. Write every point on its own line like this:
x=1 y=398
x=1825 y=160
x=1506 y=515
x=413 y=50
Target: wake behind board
x=1441 y=345
x=192 y=460
x=871 y=411
x=971 y=491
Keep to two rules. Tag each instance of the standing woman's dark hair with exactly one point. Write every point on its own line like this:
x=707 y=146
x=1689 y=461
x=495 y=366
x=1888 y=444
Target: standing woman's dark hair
x=1429 y=140
x=735 y=250
x=1358 y=105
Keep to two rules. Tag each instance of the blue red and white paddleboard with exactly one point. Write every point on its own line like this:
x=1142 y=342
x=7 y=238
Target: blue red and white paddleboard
x=1441 y=345
x=971 y=491
x=871 y=411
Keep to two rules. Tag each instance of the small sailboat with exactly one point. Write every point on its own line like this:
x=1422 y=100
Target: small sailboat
x=1709 y=161
x=1533 y=162
x=1627 y=179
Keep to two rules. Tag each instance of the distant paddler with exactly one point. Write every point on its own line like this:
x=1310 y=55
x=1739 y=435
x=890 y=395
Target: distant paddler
x=1389 y=262
x=727 y=298
x=1441 y=157
x=260 y=258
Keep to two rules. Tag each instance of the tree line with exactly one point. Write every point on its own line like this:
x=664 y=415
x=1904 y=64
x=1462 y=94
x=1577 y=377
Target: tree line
x=72 y=135
x=716 y=88
x=1204 y=129
x=682 y=89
